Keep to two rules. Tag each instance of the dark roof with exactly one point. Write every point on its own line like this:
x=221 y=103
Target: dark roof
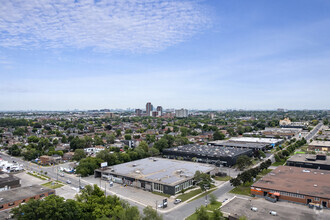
x=238 y=144
x=311 y=182
x=22 y=193
x=208 y=150
x=4 y=181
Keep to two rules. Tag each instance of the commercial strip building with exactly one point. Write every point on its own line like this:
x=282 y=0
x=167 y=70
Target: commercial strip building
x=241 y=145
x=321 y=162
x=14 y=197
x=295 y=184
x=216 y=155
x=155 y=174
x=319 y=146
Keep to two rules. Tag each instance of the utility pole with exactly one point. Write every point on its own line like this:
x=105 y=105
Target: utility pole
x=105 y=188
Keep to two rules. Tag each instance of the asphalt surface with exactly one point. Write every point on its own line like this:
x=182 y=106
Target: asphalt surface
x=284 y=210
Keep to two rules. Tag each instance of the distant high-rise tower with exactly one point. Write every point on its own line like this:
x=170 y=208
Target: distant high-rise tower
x=138 y=112
x=181 y=113
x=160 y=110
x=149 y=108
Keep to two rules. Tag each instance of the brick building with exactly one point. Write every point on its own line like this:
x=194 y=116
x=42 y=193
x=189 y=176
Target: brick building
x=295 y=184
x=14 y=197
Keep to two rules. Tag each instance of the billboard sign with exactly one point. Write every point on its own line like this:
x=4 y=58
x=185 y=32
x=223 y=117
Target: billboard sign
x=104 y=164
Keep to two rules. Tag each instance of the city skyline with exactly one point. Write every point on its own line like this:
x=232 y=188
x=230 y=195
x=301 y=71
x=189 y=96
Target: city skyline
x=179 y=54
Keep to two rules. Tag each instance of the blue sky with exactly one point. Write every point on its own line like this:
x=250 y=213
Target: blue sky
x=59 y=55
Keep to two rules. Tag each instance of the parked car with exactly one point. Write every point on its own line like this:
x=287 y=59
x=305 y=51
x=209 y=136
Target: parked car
x=160 y=205
x=68 y=182
x=273 y=213
x=255 y=209
x=62 y=174
x=81 y=187
x=225 y=200
x=177 y=201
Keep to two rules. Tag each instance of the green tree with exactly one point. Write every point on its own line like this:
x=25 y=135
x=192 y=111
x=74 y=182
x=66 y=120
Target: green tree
x=88 y=165
x=161 y=144
x=243 y=162
x=52 y=207
x=235 y=182
x=213 y=199
x=202 y=213
x=150 y=214
x=79 y=154
x=216 y=215
x=19 y=131
x=203 y=180
x=217 y=135
x=33 y=139
x=128 y=137
x=14 y=150
x=118 y=132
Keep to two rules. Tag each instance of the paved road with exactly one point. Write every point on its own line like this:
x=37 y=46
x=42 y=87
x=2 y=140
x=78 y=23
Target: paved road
x=185 y=210
x=314 y=131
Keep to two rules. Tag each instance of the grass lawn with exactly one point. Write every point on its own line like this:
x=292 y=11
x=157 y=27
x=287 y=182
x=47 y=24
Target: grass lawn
x=242 y=190
x=279 y=163
x=245 y=188
x=162 y=194
x=188 y=195
x=202 y=195
x=54 y=186
x=37 y=176
x=222 y=178
x=209 y=208
x=194 y=216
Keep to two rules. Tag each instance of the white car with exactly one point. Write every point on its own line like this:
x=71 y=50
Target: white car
x=177 y=201
x=68 y=182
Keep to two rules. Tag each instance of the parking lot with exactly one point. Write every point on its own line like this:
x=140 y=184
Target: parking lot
x=139 y=196
x=284 y=210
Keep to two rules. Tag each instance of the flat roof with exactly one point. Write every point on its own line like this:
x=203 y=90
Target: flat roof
x=256 y=140
x=304 y=159
x=21 y=193
x=304 y=181
x=320 y=143
x=160 y=170
x=208 y=150
x=238 y=144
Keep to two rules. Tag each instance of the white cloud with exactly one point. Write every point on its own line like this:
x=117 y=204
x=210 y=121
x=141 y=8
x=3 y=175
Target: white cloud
x=124 y=25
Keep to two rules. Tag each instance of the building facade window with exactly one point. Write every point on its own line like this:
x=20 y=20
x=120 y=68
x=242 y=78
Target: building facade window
x=158 y=187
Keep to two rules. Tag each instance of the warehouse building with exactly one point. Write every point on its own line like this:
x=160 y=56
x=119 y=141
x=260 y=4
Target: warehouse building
x=216 y=155
x=295 y=184
x=155 y=174
x=14 y=197
x=268 y=141
x=241 y=145
x=319 y=146
x=321 y=162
